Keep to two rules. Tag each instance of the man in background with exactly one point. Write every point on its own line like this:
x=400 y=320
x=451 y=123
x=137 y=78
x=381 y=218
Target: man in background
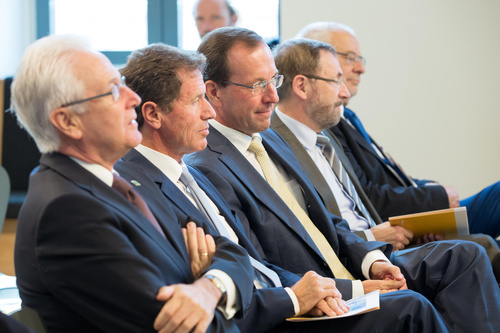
x=212 y=14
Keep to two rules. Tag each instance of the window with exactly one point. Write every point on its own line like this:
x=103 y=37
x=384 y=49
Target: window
x=261 y=16
x=117 y=27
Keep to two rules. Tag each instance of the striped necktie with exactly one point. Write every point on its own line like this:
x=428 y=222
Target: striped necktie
x=286 y=195
x=326 y=147
x=264 y=276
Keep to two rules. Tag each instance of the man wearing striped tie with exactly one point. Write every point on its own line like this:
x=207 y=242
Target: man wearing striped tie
x=303 y=126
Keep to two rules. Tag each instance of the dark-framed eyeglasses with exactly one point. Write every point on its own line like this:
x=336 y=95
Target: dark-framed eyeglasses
x=352 y=57
x=259 y=87
x=338 y=82
x=115 y=93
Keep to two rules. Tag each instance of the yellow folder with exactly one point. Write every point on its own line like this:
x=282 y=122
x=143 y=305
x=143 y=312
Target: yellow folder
x=449 y=223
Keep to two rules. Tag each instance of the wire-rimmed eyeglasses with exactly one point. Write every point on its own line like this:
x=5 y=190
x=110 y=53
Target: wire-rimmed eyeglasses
x=352 y=57
x=259 y=87
x=115 y=93
x=338 y=82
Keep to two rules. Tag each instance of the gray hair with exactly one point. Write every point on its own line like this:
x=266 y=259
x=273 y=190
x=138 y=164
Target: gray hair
x=321 y=30
x=44 y=82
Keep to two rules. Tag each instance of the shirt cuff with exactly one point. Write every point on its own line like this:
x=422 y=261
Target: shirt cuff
x=295 y=300
x=233 y=302
x=369 y=235
x=369 y=259
x=357 y=288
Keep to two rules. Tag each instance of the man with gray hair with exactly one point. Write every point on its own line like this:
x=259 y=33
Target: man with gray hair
x=89 y=254
x=391 y=190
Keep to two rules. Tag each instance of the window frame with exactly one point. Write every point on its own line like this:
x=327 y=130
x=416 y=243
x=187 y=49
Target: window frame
x=162 y=25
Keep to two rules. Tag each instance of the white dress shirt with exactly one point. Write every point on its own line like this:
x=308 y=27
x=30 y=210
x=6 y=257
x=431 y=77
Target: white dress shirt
x=308 y=138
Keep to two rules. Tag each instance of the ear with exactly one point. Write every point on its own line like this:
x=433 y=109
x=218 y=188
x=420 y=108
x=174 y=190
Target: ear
x=234 y=18
x=213 y=93
x=301 y=87
x=67 y=122
x=152 y=114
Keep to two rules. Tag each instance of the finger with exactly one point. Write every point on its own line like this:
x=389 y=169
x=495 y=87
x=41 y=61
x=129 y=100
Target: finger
x=165 y=293
x=192 y=243
x=202 y=244
x=184 y=234
x=210 y=245
x=325 y=308
x=337 y=305
x=202 y=326
x=163 y=321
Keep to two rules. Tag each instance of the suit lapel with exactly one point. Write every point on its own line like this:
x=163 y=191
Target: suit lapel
x=360 y=140
x=307 y=165
x=256 y=184
x=108 y=196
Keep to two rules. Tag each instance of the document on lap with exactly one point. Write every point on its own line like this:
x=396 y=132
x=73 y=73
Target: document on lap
x=362 y=304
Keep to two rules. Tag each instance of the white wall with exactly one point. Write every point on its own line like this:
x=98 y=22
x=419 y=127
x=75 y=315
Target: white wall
x=18 y=30
x=429 y=95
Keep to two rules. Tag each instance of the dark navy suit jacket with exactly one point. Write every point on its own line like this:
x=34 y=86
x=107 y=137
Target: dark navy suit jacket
x=387 y=194
x=284 y=240
x=89 y=261
x=269 y=306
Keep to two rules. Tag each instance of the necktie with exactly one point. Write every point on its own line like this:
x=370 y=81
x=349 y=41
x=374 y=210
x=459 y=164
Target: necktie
x=286 y=195
x=324 y=143
x=125 y=189
x=264 y=276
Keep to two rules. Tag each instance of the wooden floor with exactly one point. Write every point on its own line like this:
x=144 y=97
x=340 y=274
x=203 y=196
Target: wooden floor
x=7 y=238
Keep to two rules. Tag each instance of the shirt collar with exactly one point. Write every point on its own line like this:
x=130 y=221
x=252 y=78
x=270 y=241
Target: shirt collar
x=167 y=165
x=97 y=170
x=306 y=136
x=240 y=140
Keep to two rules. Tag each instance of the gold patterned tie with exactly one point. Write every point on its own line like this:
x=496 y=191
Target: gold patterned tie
x=286 y=195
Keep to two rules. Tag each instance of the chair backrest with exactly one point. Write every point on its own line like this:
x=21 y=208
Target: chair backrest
x=4 y=195
x=31 y=319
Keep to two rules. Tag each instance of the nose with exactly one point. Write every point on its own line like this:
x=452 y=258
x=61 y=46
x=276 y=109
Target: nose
x=344 y=92
x=130 y=95
x=359 y=67
x=270 y=94
x=208 y=112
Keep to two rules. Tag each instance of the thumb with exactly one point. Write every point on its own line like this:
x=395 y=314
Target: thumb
x=165 y=293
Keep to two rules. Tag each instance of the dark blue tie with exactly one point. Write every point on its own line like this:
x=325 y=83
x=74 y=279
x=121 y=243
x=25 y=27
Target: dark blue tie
x=354 y=120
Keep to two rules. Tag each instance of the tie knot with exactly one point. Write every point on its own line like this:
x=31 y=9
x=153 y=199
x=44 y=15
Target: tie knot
x=257 y=147
x=322 y=140
x=186 y=178
x=121 y=185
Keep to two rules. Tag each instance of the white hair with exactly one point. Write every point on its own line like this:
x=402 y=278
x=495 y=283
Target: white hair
x=44 y=82
x=321 y=30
